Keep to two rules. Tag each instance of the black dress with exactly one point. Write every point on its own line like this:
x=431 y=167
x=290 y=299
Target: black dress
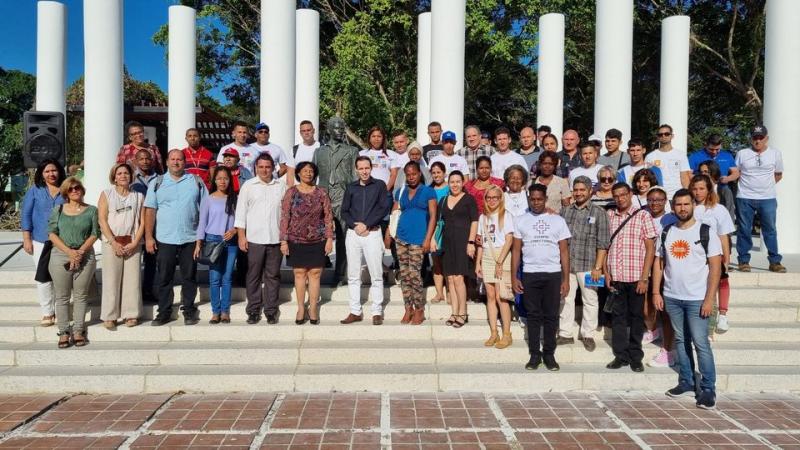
x=457 y=221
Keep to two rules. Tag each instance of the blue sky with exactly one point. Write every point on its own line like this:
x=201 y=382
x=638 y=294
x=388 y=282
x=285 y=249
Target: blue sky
x=145 y=61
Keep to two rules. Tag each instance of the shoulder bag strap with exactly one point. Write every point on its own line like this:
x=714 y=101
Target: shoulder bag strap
x=622 y=225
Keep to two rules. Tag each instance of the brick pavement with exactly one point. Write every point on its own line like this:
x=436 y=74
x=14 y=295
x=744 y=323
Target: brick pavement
x=580 y=420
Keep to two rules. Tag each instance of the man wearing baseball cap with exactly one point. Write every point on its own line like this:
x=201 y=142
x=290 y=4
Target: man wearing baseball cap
x=449 y=158
x=283 y=162
x=230 y=159
x=761 y=168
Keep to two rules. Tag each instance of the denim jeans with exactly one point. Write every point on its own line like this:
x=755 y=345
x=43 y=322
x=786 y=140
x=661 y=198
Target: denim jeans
x=746 y=209
x=690 y=329
x=220 y=276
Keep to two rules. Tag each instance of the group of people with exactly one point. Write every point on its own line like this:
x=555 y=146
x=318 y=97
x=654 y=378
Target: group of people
x=643 y=238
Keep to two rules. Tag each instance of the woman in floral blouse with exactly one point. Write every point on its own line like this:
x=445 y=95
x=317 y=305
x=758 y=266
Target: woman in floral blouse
x=306 y=237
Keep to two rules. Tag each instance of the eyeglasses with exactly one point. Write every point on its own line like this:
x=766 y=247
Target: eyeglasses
x=75 y=189
x=492 y=197
x=657 y=200
x=757 y=138
x=664 y=134
x=262 y=132
x=136 y=133
x=606 y=179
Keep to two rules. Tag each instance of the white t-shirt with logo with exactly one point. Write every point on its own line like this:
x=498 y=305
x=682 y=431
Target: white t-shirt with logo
x=540 y=235
x=277 y=153
x=502 y=161
x=685 y=267
x=491 y=225
x=382 y=163
x=671 y=164
x=757 y=173
x=305 y=152
x=718 y=218
x=590 y=172
x=247 y=154
x=451 y=163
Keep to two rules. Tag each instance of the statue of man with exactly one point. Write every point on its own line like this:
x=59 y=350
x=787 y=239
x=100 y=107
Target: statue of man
x=336 y=164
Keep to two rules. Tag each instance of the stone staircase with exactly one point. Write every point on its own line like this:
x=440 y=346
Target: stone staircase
x=761 y=352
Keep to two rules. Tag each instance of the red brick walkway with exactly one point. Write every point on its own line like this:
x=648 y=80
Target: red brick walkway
x=400 y=421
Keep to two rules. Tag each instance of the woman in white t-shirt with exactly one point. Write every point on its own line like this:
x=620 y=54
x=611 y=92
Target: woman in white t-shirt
x=708 y=210
x=493 y=262
x=385 y=163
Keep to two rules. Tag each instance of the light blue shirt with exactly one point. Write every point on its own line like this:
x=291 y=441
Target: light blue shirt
x=36 y=208
x=177 y=205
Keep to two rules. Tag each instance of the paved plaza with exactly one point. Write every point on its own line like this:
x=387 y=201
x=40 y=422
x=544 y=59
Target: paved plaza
x=587 y=420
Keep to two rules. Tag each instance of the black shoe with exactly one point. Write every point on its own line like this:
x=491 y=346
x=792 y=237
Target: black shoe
x=561 y=340
x=706 y=400
x=272 y=319
x=588 y=344
x=253 y=319
x=534 y=363
x=617 y=364
x=159 y=321
x=680 y=391
x=551 y=364
x=637 y=366
x=192 y=318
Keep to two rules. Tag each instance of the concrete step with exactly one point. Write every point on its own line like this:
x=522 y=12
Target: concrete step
x=493 y=378
x=309 y=352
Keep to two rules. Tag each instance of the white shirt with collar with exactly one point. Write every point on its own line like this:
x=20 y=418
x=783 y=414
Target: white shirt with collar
x=258 y=210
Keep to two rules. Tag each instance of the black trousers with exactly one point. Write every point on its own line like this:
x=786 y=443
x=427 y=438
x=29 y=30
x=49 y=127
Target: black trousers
x=263 y=278
x=542 y=300
x=340 y=269
x=168 y=255
x=628 y=311
x=149 y=275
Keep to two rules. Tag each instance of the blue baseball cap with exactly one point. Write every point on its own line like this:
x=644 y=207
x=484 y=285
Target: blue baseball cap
x=449 y=136
x=262 y=126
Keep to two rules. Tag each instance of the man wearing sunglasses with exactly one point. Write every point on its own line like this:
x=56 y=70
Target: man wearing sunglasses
x=760 y=168
x=673 y=163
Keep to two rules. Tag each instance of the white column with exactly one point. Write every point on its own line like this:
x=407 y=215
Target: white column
x=447 y=64
x=613 y=67
x=278 y=70
x=306 y=103
x=674 y=89
x=182 y=63
x=781 y=115
x=51 y=38
x=423 y=77
x=550 y=110
x=103 y=95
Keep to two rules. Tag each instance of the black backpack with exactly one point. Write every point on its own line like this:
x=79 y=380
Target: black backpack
x=704 y=237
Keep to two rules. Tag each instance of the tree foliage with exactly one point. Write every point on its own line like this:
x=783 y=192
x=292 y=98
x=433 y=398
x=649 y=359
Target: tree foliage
x=17 y=95
x=368 y=61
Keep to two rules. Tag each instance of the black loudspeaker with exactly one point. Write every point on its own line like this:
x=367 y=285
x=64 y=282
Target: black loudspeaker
x=45 y=138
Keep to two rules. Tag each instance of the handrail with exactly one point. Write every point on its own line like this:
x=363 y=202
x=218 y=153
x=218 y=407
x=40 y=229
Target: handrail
x=12 y=253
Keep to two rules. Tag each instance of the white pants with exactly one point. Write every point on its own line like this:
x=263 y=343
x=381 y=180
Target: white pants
x=44 y=291
x=589 y=297
x=371 y=247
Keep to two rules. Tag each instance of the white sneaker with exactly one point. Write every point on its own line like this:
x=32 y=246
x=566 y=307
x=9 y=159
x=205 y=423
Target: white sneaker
x=660 y=360
x=722 y=323
x=650 y=336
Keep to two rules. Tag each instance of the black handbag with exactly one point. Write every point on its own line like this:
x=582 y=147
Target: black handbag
x=210 y=252
x=42 y=267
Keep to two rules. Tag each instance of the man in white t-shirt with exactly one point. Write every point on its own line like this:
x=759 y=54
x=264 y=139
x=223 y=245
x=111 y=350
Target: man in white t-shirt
x=541 y=248
x=636 y=158
x=760 y=168
x=504 y=157
x=589 y=167
x=400 y=143
x=282 y=161
x=304 y=151
x=449 y=158
x=247 y=152
x=672 y=162
x=690 y=269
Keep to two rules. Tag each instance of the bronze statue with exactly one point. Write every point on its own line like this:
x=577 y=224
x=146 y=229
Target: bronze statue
x=336 y=161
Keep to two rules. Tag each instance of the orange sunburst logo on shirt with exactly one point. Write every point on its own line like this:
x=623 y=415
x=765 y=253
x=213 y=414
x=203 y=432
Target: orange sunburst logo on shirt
x=679 y=249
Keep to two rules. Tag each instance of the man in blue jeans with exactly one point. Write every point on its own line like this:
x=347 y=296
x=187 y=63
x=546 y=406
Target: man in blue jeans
x=689 y=261
x=761 y=168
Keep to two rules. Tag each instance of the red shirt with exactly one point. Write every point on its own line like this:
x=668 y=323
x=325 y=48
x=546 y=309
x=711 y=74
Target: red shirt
x=127 y=154
x=200 y=162
x=478 y=193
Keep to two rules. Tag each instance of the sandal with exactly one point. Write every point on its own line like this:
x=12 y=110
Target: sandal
x=48 y=321
x=449 y=322
x=78 y=339
x=457 y=324
x=63 y=340
x=437 y=299
x=110 y=325
x=131 y=322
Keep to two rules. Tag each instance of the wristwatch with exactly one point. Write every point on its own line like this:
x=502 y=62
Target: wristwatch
x=471 y=242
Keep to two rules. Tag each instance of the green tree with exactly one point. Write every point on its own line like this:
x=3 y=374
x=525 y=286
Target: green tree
x=17 y=95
